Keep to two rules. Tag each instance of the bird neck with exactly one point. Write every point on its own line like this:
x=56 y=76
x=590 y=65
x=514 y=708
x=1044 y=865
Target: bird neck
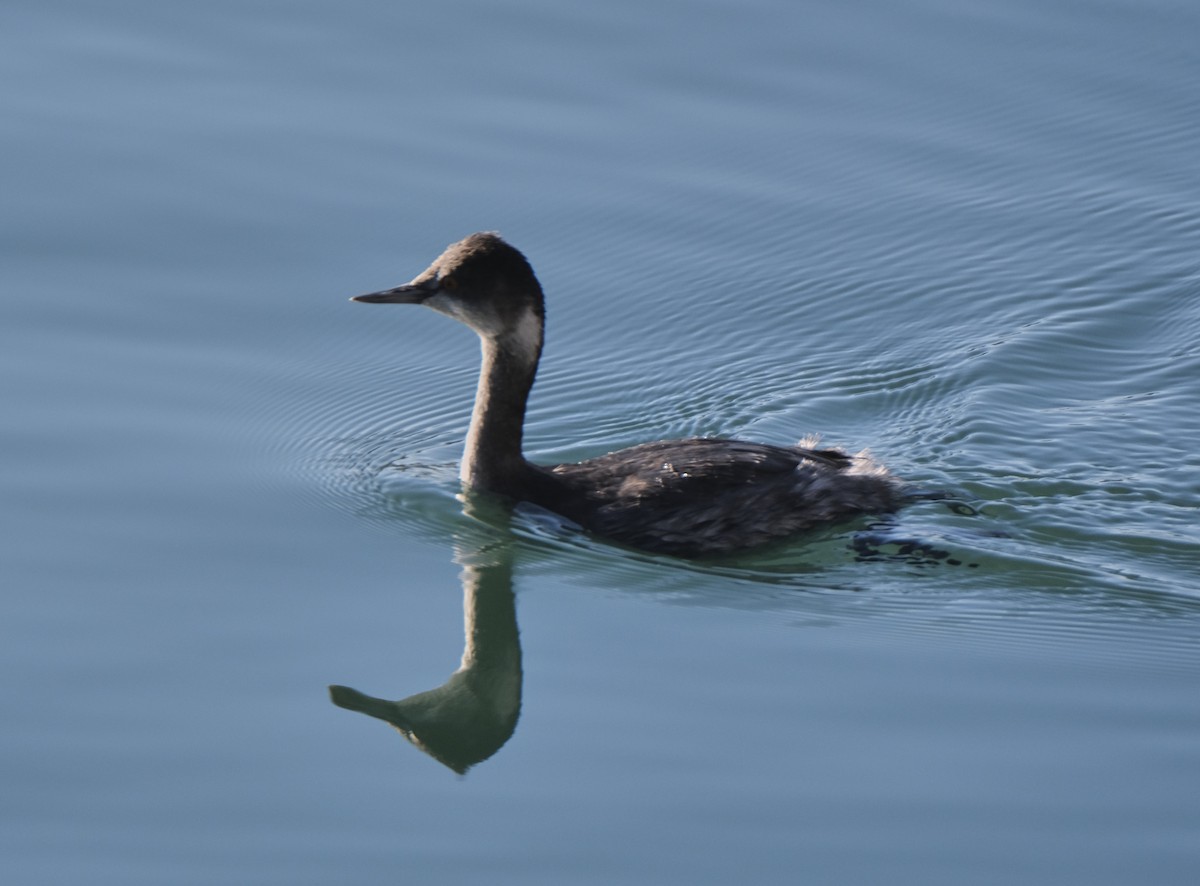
x=492 y=458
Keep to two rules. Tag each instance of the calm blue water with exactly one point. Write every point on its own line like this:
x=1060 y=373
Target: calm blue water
x=963 y=235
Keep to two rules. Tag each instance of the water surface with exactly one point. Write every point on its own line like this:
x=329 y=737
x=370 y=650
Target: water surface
x=964 y=236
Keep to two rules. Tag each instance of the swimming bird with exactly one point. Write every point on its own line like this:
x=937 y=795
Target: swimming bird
x=687 y=497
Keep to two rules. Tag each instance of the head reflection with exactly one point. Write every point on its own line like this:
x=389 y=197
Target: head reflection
x=470 y=716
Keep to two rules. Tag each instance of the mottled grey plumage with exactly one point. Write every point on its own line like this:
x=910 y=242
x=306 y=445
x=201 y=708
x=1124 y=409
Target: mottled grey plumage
x=685 y=497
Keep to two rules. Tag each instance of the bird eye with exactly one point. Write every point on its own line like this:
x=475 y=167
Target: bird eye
x=447 y=284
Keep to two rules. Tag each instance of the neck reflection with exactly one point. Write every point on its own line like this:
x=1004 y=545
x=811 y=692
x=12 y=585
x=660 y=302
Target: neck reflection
x=470 y=716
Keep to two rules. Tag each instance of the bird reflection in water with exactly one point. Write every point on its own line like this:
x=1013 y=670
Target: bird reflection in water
x=470 y=716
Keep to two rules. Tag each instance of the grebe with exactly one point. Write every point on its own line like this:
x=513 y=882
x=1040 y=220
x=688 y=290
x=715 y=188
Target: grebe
x=683 y=497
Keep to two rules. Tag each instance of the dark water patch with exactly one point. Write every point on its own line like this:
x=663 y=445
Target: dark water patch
x=1006 y=598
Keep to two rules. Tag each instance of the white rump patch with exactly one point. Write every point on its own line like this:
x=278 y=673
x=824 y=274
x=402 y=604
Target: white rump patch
x=860 y=463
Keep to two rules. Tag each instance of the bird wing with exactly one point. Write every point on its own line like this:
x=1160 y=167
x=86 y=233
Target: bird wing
x=695 y=466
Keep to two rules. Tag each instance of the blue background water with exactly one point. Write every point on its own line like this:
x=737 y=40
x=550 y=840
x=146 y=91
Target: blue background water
x=964 y=235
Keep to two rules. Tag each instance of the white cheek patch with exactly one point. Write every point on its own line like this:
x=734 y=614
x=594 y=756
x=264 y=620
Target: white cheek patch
x=526 y=339
x=481 y=322
x=523 y=339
